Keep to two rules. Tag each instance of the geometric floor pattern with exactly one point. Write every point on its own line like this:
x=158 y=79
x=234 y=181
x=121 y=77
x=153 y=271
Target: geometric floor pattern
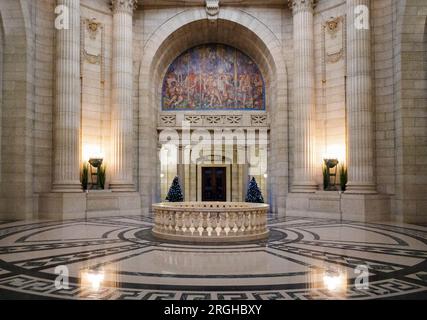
x=304 y=258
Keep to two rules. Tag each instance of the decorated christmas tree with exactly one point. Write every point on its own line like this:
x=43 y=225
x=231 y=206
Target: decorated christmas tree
x=254 y=195
x=175 y=193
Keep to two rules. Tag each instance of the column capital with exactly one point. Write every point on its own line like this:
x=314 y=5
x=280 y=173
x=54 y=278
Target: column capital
x=126 y=6
x=301 y=5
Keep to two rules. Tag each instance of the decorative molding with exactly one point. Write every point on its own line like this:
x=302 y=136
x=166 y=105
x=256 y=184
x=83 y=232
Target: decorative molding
x=334 y=57
x=124 y=6
x=233 y=119
x=93 y=27
x=301 y=5
x=214 y=120
x=194 y=119
x=257 y=120
x=168 y=120
x=330 y=29
x=92 y=58
x=212 y=9
x=332 y=26
x=246 y=120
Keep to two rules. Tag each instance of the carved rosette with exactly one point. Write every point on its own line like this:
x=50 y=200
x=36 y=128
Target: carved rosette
x=301 y=5
x=125 y=6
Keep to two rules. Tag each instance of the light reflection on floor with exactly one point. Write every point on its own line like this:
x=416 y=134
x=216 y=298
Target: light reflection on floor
x=117 y=258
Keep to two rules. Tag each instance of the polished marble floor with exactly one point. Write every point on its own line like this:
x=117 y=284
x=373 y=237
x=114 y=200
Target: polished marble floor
x=117 y=258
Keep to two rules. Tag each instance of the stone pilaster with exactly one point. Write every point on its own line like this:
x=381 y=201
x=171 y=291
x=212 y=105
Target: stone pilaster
x=359 y=102
x=67 y=104
x=304 y=96
x=121 y=114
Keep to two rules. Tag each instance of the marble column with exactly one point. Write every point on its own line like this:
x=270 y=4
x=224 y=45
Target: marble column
x=304 y=96
x=121 y=108
x=67 y=103
x=359 y=101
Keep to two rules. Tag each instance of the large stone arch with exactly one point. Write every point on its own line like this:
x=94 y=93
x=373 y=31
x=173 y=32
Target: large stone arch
x=234 y=27
x=411 y=111
x=16 y=193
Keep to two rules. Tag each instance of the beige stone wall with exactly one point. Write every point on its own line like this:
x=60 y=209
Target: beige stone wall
x=17 y=194
x=330 y=61
x=383 y=28
x=265 y=33
x=96 y=81
x=43 y=91
x=410 y=84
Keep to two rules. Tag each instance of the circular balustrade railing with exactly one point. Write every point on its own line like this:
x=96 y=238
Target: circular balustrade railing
x=210 y=221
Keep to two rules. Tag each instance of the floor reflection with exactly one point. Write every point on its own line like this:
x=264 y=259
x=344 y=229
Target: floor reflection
x=333 y=279
x=117 y=258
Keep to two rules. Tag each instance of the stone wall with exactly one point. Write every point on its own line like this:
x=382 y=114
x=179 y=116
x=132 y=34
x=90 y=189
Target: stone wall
x=43 y=95
x=411 y=110
x=399 y=60
x=330 y=62
x=96 y=43
x=17 y=194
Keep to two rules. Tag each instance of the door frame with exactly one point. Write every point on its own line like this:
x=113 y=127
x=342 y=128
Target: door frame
x=227 y=180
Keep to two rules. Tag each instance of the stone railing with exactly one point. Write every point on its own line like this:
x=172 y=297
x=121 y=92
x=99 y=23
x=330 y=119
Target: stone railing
x=210 y=221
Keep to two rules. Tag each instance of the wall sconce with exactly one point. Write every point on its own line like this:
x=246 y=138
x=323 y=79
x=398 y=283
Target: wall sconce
x=95 y=165
x=91 y=151
x=331 y=172
x=265 y=175
x=162 y=175
x=336 y=151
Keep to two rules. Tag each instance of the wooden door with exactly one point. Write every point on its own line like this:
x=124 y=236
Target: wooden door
x=214 y=184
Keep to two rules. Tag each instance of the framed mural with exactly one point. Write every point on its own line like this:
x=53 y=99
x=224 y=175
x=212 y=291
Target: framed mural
x=213 y=77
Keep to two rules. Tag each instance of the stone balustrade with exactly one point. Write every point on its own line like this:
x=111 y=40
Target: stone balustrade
x=210 y=221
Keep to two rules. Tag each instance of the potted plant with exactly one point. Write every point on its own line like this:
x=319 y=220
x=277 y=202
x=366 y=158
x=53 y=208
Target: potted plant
x=84 y=178
x=343 y=177
x=102 y=176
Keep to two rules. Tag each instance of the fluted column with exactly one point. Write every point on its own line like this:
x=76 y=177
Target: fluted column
x=121 y=113
x=304 y=95
x=67 y=103
x=359 y=101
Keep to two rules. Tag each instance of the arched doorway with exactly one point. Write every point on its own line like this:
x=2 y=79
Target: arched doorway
x=234 y=28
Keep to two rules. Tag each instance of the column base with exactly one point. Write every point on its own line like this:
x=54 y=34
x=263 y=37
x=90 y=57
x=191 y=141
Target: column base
x=361 y=188
x=320 y=204
x=122 y=187
x=17 y=207
x=91 y=204
x=60 y=206
x=365 y=207
x=73 y=187
x=339 y=206
x=105 y=203
x=304 y=187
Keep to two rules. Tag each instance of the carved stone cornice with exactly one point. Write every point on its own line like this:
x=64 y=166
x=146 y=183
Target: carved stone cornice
x=126 y=6
x=301 y=5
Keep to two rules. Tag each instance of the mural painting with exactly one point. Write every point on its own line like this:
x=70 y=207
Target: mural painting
x=213 y=77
